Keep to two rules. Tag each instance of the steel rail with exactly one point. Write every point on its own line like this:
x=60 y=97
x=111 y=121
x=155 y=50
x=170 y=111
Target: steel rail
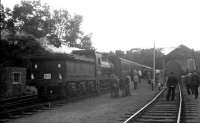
x=16 y=98
x=180 y=105
x=144 y=107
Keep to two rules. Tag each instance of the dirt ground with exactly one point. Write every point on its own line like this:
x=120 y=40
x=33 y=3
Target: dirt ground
x=101 y=109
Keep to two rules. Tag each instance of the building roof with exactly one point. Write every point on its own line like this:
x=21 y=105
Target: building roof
x=181 y=52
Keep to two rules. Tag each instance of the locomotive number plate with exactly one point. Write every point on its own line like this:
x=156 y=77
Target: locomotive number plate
x=47 y=76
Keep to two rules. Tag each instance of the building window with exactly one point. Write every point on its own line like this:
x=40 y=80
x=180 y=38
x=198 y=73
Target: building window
x=16 y=77
x=59 y=65
x=36 y=66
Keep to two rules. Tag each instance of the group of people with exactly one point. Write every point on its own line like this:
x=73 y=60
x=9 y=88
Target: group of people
x=192 y=83
x=122 y=86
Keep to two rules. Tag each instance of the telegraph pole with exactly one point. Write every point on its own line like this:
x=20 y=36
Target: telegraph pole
x=154 y=66
x=195 y=60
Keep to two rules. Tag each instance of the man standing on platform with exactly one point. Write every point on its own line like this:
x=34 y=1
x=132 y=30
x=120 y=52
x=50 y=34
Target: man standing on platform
x=149 y=77
x=140 y=75
x=122 y=86
x=127 y=85
x=195 y=82
x=114 y=86
x=135 y=80
x=187 y=81
x=171 y=85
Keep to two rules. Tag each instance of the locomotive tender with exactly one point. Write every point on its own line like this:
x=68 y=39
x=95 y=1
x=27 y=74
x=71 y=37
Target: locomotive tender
x=84 y=72
x=70 y=75
x=62 y=75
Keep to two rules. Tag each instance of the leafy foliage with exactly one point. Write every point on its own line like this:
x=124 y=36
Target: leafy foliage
x=145 y=56
x=30 y=21
x=32 y=18
x=6 y=20
x=86 y=42
x=60 y=27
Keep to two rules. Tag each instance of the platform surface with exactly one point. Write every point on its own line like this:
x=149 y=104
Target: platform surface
x=101 y=109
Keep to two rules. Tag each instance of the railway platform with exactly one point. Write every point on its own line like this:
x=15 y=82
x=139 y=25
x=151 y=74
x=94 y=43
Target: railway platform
x=101 y=109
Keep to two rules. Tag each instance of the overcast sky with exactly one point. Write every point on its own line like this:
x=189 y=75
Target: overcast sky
x=126 y=24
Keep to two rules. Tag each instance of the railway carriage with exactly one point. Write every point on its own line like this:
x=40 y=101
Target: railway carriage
x=123 y=67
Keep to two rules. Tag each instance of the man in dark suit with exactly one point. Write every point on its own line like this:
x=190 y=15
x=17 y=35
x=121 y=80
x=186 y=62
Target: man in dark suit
x=171 y=85
x=195 y=82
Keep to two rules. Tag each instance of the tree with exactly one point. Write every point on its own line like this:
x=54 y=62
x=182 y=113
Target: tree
x=145 y=56
x=120 y=53
x=6 y=22
x=15 y=45
x=53 y=39
x=59 y=27
x=32 y=18
x=30 y=21
x=86 y=42
x=67 y=29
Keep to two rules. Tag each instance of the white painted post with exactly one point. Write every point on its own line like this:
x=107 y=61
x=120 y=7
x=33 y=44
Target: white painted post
x=154 y=65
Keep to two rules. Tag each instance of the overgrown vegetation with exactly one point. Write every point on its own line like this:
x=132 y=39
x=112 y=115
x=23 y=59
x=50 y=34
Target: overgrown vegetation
x=24 y=27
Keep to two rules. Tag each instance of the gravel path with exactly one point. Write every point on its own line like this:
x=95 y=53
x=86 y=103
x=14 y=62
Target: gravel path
x=102 y=109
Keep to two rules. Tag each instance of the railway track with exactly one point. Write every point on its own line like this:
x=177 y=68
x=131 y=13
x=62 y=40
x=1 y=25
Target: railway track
x=16 y=107
x=191 y=109
x=13 y=108
x=12 y=102
x=159 y=110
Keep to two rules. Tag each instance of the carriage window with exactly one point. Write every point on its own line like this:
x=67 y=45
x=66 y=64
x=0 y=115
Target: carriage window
x=16 y=76
x=36 y=66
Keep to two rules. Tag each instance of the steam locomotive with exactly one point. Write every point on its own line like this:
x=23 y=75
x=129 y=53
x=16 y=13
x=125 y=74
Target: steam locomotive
x=84 y=72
